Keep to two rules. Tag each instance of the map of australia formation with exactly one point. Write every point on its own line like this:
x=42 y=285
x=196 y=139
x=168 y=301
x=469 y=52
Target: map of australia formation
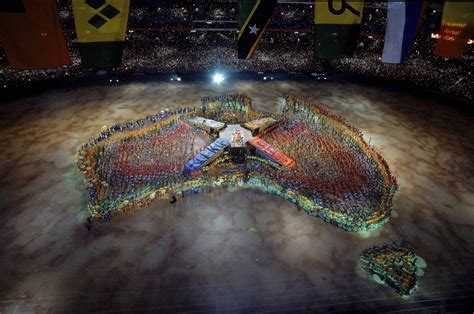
x=308 y=156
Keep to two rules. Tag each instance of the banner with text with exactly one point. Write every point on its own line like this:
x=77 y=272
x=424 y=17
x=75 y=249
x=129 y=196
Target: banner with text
x=456 y=27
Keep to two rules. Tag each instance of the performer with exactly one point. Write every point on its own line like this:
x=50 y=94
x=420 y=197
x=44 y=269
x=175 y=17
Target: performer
x=173 y=199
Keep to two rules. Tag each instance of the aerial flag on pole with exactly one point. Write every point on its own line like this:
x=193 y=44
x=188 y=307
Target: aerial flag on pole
x=253 y=18
x=30 y=33
x=403 y=17
x=337 y=26
x=456 y=26
x=101 y=26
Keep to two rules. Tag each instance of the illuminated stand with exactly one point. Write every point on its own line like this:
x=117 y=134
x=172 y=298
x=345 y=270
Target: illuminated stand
x=304 y=154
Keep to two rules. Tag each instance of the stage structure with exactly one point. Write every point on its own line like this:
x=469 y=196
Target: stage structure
x=235 y=137
x=315 y=159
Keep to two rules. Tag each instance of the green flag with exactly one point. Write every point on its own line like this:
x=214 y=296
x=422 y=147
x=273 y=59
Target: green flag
x=253 y=18
x=100 y=28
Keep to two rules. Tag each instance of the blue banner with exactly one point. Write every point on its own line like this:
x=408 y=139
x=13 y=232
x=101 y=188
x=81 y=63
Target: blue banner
x=402 y=23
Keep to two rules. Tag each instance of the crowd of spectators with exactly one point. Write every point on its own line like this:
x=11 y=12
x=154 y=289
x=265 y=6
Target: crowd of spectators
x=172 y=51
x=158 y=42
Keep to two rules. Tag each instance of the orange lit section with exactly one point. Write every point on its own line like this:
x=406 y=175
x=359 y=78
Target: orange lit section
x=272 y=153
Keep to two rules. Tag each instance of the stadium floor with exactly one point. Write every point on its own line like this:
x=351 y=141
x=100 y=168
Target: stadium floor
x=199 y=253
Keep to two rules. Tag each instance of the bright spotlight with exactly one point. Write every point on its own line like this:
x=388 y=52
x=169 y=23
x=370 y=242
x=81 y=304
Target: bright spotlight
x=265 y=78
x=218 y=78
x=178 y=79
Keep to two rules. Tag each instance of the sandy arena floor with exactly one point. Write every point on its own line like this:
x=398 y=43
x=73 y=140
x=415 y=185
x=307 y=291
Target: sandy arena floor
x=198 y=254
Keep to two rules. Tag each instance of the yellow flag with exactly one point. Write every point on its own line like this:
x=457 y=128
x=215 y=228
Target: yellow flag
x=337 y=25
x=338 y=12
x=100 y=20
